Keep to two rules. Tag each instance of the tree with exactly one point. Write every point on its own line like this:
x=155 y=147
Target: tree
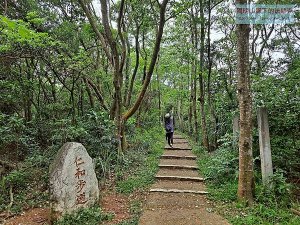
x=246 y=182
x=115 y=49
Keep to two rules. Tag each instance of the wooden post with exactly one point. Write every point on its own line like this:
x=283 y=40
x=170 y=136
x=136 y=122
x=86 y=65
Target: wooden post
x=264 y=145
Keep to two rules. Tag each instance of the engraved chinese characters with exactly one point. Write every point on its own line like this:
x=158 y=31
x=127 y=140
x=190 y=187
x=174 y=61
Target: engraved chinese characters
x=73 y=182
x=80 y=175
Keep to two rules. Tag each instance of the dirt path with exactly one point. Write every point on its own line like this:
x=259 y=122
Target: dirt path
x=175 y=208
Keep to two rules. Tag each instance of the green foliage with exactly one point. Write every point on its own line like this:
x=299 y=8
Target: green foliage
x=85 y=216
x=16 y=178
x=17 y=33
x=144 y=164
x=225 y=192
x=278 y=194
x=28 y=186
x=34 y=19
x=280 y=95
x=14 y=133
x=271 y=204
x=134 y=221
x=261 y=214
x=221 y=165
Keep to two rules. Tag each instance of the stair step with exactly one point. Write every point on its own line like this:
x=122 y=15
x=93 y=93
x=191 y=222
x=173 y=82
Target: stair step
x=178 y=137
x=178 y=157
x=177 y=148
x=197 y=179
x=178 y=167
x=177 y=191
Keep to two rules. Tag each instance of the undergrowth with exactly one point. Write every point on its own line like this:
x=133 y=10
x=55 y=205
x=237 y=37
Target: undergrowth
x=149 y=144
x=271 y=206
x=133 y=170
x=87 y=216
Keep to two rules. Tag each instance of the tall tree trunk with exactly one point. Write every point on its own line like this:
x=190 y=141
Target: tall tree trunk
x=194 y=77
x=118 y=64
x=190 y=87
x=195 y=105
x=209 y=94
x=246 y=182
x=202 y=92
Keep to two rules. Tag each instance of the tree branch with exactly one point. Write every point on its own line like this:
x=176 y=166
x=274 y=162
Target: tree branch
x=120 y=18
x=97 y=92
x=93 y=23
x=135 y=107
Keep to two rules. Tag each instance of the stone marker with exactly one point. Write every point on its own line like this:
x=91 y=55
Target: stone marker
x=264 y=145
x=73 y=182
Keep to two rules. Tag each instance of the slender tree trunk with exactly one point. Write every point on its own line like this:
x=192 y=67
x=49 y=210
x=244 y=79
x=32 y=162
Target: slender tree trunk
x=190 y=87
x=246 y=182
x=137 y=62
x=195 y=101
x=145 y=58
x=195 y=106
x=201 y=83
x=80 y=99
x=146 y=83
x=203 y=116
x=194 y=77
x=98 y=93
x=72 y=98
x=88 y=90
x=158 y=89
x=118 y=64
x=209 y=94
x=127 y=72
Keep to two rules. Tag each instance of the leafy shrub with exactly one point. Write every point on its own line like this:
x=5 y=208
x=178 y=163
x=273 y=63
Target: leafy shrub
x=277 y=194
x=15 y=135
x=85 y=216
x=96 y=132
x=221 y=165
x=17 y=179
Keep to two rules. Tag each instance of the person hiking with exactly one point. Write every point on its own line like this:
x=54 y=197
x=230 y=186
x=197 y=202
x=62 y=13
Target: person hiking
x=169 y=127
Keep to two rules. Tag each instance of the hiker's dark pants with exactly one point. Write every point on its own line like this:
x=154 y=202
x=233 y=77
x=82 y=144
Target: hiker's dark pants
x=169 y=137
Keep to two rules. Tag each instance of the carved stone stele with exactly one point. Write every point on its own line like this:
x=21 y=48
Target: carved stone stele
x=73 y=182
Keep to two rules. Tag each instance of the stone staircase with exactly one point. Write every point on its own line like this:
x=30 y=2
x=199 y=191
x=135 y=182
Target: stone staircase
x=178 y=195
x=178 y=171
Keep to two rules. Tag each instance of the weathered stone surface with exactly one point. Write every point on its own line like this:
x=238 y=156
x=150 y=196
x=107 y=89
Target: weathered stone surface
x=73 y=182
x=264 y=145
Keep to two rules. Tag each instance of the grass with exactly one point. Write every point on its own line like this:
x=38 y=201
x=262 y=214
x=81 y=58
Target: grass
x=142 y=169
x=270 y=206
x=142 y=176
